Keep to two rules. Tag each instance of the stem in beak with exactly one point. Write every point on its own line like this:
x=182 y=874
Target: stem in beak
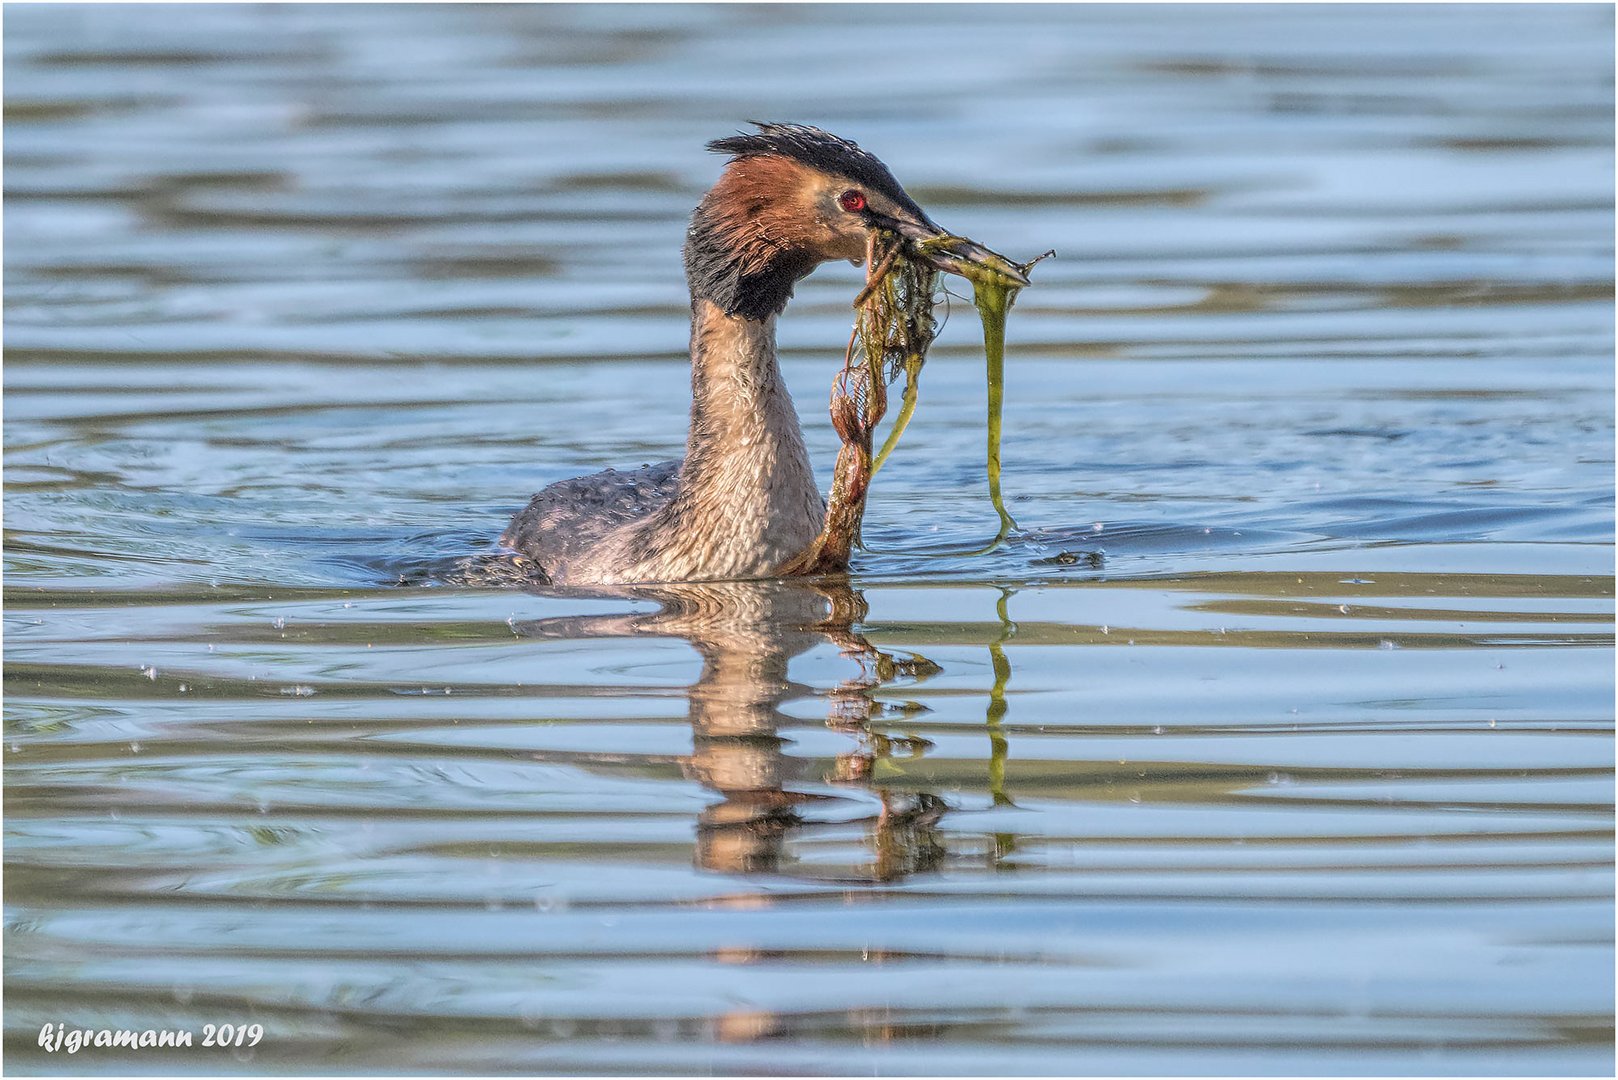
x=971 y=260
x=959 y=255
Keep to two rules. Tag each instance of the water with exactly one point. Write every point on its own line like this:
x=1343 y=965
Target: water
x=1279 y=742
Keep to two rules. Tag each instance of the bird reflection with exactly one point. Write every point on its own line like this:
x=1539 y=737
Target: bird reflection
x=770 y=819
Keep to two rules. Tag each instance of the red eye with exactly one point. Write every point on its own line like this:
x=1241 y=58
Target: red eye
x=852 y=201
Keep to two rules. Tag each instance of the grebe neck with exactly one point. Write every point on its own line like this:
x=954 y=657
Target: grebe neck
x=745 y=455
x=747 y=501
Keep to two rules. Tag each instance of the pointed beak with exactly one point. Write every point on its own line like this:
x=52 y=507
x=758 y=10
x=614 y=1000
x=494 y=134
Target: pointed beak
x=956 y=254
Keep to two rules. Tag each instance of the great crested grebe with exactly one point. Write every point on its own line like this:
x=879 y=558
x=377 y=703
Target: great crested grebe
x=743 y=502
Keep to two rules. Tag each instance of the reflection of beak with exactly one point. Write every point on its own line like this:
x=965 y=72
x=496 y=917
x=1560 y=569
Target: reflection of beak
x=955 y=254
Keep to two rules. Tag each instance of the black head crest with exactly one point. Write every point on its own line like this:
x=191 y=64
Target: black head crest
x=819 y=150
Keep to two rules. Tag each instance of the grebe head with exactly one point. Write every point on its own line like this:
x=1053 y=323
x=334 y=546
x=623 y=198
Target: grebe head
x=792 y=197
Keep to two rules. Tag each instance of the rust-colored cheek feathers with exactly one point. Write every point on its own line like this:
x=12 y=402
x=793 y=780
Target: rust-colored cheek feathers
x=761 y=205
x=753 y=236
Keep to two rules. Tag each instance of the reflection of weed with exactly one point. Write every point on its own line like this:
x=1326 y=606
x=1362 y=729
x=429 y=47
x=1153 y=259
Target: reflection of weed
x=997 y=703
